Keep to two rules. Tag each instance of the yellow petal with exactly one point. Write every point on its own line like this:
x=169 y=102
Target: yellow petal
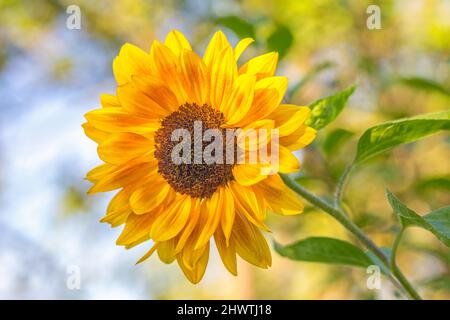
x=241 y=46
x=227 y=252
x=255 y=136
x=136 y=227
x=166 y=251
x=249 y=174
x=191 y=255
x=116 y=218
x=93 y=133
x=217 y=44
x=164 y=64
x=122 y=175
x=109 y=101
x=289 y=117
x=118 y=209
x=194 y=76
x=251 y=244
x=236 y=106
x=149 y=253
x=288 y=163
x=249 y=204
x=130 y=61
x=299 y=138
x=190 y=225
x=222 y=76
x=176 y=42
x=280 y=198
x=261 y=66
x=212 y=210
x=138 y=241
x=172 y=221
x=221 y=66
x=158 y=91
x=227 y=218
x=268 y=94
x=194 y=273
x=120 y=200
x=137 y=102
x=124 y=146
x=274 y=85
x=117 y=120
x=149 y=196
x=99 y=172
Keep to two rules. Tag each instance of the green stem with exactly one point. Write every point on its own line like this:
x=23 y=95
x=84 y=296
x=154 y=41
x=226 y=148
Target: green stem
x=350 y=226
x=337 y=214
x=396 y=271
x=341 y=185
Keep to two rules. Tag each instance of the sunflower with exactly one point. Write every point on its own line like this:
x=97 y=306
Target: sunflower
x=182 y=206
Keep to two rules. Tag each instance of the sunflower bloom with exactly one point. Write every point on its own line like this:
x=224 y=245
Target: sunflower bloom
x=182 y=206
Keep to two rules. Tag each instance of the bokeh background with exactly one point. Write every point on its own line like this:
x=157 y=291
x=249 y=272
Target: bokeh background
x=51 y=75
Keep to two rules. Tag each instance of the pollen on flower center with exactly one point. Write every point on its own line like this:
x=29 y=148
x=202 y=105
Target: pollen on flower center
x=197 y=180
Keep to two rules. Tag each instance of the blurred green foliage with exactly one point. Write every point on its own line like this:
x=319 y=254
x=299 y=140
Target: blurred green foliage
x=280 y=40
x=240 y=27
x=402 y=70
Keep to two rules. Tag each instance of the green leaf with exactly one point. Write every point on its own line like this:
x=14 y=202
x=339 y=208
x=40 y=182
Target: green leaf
x=435 y=183
x=405 y=215
x=437 y=222
x=424 y=84
x=387 y=135
x=324 y=111
x=280 y=40
x=325 y=250
x=240 y=27
x=335 y=139
x=440 y=220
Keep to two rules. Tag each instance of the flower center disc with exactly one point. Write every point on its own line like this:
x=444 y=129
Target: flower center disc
x=197 y=180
